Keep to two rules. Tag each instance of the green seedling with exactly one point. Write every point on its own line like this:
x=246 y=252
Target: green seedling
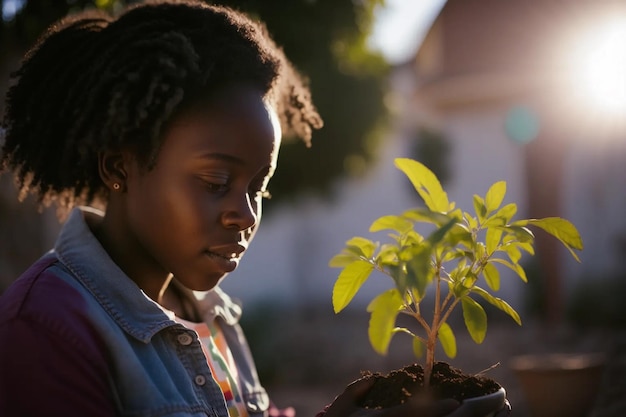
x=455 y=264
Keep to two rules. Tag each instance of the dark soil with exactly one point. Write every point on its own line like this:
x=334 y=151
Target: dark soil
x=445 y=382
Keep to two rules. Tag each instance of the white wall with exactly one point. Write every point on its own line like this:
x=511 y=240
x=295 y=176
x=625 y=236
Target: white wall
x=595 y=201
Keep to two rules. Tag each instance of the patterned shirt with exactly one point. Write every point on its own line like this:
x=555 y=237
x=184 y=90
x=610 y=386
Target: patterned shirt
x=222 y=364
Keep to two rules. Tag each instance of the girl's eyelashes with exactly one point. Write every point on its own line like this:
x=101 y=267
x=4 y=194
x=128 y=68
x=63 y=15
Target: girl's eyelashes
x=217 y=186
x=214 y=185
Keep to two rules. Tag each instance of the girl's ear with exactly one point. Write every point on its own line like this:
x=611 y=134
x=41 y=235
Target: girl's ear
x=113 y=169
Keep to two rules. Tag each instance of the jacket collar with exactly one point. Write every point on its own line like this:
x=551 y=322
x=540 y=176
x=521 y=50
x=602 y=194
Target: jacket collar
x=79 y=250
x=208 y=305
x=216 y=303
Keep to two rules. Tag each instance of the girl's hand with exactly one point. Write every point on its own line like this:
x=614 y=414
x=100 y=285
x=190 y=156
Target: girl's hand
x=280 y=412
x=346 y=404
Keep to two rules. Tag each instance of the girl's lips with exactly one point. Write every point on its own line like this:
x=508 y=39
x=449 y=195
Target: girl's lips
x=227 y=251
x=224 y=263
x=222 y=256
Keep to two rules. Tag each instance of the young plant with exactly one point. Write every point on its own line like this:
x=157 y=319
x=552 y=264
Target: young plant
x=461 y=249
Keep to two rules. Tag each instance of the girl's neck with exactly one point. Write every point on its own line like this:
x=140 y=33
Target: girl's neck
x=176 y=299
x=123 y=250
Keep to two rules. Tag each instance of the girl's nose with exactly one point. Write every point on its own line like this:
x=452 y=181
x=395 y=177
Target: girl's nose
x=241 y=212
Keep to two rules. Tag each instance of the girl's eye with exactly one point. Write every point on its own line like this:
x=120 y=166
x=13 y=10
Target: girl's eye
x=214 y=187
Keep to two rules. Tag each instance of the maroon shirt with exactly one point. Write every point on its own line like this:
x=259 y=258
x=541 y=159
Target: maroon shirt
x=52 y=362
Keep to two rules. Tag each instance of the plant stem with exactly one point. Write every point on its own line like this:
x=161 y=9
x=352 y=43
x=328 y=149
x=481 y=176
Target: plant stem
x=432 y=335
x=446 y=301
x=430 y=357
x=443 y=309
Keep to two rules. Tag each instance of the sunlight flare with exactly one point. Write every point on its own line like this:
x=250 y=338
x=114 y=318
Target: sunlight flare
x=603 y=67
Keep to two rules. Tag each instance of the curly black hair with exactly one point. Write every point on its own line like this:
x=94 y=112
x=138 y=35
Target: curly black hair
x=94 y=82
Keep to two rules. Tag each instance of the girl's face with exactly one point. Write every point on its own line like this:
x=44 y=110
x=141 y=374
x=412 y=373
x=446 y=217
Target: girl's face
x=194 y=214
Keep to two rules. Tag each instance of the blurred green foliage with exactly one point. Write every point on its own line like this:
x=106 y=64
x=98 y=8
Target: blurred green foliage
x=326 y=40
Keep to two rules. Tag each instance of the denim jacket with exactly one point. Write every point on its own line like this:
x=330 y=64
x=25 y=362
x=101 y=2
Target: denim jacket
x=133 y=352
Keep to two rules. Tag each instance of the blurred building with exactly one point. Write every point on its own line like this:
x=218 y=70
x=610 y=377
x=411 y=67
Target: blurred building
x=534 y=91
x=499 y=90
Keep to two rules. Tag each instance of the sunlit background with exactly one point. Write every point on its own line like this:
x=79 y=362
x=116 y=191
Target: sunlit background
x=528 y=91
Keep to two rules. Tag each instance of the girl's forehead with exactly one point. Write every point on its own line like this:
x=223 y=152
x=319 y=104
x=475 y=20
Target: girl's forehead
x=234 y=105
x=240 y=123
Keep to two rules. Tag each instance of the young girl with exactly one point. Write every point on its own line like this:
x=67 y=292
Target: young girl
x=169 y=119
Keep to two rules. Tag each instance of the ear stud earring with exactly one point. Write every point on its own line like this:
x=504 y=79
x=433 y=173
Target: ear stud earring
x=116 y=186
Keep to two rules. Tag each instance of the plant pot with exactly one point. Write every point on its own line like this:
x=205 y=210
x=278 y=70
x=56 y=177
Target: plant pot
x=559 y=384
x=479 y=396
x=484 y=406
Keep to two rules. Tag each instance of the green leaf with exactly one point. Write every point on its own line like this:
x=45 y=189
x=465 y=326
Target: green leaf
x=419 y=272
x=456 y=213
x=521 y=233
x=447 y=340
x=463 y=279
x=507 y=212
x=510 y=240
x=475 y=319
x=454 y=254
x=349 y=282
x=561 y=229
x=513 y=252
x=388 y=255
x=528 y=247
x=499 y=303
x=397 y=223
x=492 y=276
x=411 y=238
x=459 y=235
x=492 y=239
x=469 y=280
x=480 y=207
x=418 y=347
x=419 y=261
x=459 y=290
x=426 y=184
x=439 y=234
x=502 y=217
x=384 y=308
x=495 y=195
x=480 y=250
x=361 y=247
x=460 y=271
x=517 y=268
x=341 y=260
x=472 y=222
x=425 y=215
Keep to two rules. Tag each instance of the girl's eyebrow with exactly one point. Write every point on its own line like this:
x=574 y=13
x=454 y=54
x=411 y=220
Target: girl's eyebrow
x=221 y=157
x=231 y=159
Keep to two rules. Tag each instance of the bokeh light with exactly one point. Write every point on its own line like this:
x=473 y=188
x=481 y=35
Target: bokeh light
x=602 y=66
x=604 y=71
x=521 y=124
x=10 y=8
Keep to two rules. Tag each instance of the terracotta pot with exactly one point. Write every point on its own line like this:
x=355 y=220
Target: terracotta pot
x=484 y=406
x=559 y=384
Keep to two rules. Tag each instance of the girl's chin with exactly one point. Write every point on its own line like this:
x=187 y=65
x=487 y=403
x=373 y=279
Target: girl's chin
x=209 y=283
